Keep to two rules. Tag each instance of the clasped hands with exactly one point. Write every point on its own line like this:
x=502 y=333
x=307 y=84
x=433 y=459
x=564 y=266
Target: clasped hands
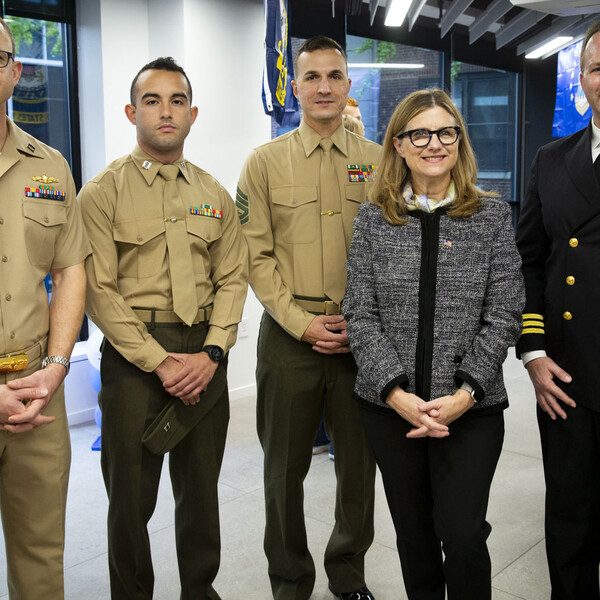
x=185 y=376
x=327 y=334
x=23 y=400
x=430 y=419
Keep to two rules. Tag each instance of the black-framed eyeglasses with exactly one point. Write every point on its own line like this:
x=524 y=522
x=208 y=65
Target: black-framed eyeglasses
x=421 y=137
x=5 y=56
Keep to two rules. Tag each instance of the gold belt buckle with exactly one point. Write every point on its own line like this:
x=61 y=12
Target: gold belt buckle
x=331 y=308
x=15 y=362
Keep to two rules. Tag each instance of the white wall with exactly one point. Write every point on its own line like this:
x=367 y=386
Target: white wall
x=220 y=45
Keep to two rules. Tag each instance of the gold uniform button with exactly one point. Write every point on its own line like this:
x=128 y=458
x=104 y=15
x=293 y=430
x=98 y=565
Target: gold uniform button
x=46 y=220
x=8 y=297
x=567 y=316
x=570 y=280
x=12 y=335
x=140 y=238
x=5 y=259
x=573 y=242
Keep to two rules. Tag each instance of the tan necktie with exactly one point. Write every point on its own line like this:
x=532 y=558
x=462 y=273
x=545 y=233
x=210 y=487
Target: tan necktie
x=332 y=227
x=183 y=282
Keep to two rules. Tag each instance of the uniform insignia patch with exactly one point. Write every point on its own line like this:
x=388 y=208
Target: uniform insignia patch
x=361 y=173
x=44 y=179
x=241 y=202
x=44 y=191
x=206 y=210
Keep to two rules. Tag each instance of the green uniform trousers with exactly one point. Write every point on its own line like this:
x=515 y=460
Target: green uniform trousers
x=34 y=475
x=130 y=400
x=295 y=387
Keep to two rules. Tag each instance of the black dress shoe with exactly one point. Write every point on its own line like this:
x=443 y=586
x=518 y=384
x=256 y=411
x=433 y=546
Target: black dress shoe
x=361 y=594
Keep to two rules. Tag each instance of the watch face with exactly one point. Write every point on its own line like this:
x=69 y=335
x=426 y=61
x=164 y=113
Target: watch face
x=215 y=352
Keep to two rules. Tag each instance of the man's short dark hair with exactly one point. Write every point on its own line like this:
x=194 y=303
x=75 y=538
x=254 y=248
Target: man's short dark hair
x=319 y=42
x=592 y=30
x=164 y=63
x=10 y=35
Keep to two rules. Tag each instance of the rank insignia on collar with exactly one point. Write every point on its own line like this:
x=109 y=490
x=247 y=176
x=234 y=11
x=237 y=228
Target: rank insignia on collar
x=206 y=210
x=361 y=173
x=183 y=164
x=44 y=179
x=146 y=164
x=46 y=192
x=31 y=147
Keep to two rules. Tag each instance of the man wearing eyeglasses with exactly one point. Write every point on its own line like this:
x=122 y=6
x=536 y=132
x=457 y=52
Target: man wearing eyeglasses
x=297 y=198
x=40 y=232
x=559 y=240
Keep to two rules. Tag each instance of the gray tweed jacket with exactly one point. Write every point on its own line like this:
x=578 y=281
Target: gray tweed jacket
x=433 y=303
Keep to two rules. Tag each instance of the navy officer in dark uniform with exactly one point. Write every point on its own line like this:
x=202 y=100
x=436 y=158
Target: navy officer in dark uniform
x=559 y=240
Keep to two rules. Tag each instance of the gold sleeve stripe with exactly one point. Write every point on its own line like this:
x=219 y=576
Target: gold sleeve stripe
x=533 y=324
x=533 y=330
x=533 y=316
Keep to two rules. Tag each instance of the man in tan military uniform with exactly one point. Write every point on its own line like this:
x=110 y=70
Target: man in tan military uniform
x=40 y=232
x=297 y=202
x=151 y=216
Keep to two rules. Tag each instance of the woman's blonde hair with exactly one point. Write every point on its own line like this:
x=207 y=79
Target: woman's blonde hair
x=393 y=174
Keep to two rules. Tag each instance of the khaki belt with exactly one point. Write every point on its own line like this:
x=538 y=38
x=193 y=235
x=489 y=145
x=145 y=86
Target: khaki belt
x=318 y=306
x=17 y=361
x=151 y=315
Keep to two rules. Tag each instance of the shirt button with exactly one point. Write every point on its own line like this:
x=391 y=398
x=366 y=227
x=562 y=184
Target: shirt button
x=46 y=220
x=567 y=316
x=573 y=242
x=12 y=335
x=1 y=221
x=139 y=238
x=8 y=297
x=570 y=280
x=5 y=259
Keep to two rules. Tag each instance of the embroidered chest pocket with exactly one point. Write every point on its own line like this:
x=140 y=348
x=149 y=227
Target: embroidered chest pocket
x=141 y=247
x=295 y=214
x=43 y=221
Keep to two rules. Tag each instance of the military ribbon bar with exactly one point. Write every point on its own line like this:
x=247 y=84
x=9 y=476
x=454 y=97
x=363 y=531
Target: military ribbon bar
x=206 y=210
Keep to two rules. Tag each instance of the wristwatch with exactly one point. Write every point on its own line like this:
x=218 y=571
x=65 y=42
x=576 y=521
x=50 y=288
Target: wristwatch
x=216 y=353
x=61 y=360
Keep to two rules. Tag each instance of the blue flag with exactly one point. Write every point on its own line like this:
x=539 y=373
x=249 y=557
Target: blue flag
x=278 y=98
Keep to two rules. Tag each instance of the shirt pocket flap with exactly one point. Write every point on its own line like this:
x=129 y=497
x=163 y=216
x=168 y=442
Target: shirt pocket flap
x=46 y=214
x=294 y=196
x=138 y=232
x=207 y=228
x=356 y=192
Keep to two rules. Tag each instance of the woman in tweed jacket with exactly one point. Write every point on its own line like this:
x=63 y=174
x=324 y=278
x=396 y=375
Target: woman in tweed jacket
x=433 y=302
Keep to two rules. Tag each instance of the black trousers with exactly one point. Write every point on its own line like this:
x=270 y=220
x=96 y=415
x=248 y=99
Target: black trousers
x=437 y=491
x=571 y=452
x=292 y=382
x=130 y=400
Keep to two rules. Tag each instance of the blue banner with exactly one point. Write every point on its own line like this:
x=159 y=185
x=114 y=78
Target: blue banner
x=572 y=111
x=278 y=98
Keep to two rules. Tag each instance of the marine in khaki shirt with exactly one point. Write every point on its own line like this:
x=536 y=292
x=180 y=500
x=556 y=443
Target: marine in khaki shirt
x=167 y=284
x=297 y=198
x=280 y=204
x=123 y=212
x=40 y=232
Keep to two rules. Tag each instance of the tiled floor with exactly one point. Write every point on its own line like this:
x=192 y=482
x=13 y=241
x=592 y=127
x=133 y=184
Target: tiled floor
x=516 y=514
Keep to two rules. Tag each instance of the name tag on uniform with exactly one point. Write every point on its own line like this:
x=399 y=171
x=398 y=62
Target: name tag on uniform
x=206 y=210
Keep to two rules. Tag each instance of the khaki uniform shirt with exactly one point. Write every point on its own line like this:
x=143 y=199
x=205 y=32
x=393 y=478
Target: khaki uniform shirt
x=122 y=210
x=38 y=232
x=279 y=204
